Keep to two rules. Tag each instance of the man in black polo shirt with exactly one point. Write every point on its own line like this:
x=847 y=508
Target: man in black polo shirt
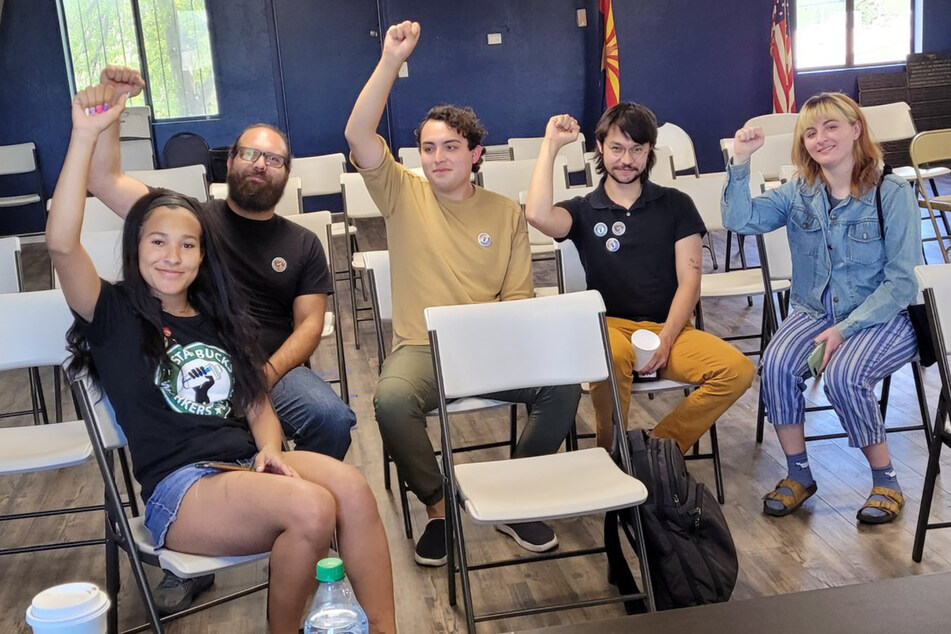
x=640 y=247
x=280 y=270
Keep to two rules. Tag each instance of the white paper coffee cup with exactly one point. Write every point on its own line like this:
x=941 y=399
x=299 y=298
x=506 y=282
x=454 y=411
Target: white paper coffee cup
x=645 y=345
x=71 y=608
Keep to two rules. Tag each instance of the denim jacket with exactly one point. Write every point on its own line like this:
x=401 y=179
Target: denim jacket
x=871 y=279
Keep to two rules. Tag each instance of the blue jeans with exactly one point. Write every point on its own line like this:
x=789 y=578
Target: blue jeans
x=312 y=414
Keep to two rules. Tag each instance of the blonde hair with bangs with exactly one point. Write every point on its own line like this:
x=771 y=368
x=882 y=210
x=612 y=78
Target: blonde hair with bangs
x=866 y=153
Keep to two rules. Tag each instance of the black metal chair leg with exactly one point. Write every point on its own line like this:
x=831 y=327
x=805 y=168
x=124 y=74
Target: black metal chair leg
x=931 y=475
x=717 y=468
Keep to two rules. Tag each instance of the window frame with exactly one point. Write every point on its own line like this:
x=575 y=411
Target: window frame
x=849 y=63
x=143 y=61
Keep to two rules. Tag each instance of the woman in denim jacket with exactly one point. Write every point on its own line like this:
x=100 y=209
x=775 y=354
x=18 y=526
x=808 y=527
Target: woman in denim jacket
x=850 y=288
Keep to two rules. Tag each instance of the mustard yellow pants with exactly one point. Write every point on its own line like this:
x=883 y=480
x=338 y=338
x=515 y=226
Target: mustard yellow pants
x=722 y=372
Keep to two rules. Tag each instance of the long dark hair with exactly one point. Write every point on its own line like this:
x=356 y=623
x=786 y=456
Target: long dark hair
x=210 y=294
x=637 y=122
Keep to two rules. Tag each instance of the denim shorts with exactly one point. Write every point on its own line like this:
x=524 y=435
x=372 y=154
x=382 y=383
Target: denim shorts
x=162 y=507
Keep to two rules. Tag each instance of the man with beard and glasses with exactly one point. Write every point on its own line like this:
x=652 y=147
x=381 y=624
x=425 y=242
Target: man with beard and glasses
x=640 y=247
x=281 y=271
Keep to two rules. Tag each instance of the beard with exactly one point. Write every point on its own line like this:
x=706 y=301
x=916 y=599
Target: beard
x=635 y=174
x=253 y=196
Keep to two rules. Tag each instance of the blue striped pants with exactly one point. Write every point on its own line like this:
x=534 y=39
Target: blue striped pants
x=849 y=379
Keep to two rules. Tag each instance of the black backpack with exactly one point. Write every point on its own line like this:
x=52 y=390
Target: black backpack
x=690 y=550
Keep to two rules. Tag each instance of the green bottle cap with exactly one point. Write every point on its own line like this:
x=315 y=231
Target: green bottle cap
x=330 y=569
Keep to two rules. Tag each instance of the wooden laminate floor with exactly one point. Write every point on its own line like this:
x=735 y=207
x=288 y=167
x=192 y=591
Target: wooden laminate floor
x=821 y=545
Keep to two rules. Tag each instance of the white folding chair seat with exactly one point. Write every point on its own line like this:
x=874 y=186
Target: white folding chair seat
x=319 y=222
x=483 y=348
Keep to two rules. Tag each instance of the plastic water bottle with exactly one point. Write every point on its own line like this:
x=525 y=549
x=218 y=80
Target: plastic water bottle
x=335 y=609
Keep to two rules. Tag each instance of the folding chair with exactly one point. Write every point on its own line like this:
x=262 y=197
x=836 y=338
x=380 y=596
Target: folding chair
x=926 y=148
x=571 y=279
x=378 y=274
x=935 y=282
x=706 y=194
x=681 y=145
x=357 y=203
x=774 y=123
x=893 y=122
x=483 y=348
x=34 y=329
x=320 y=223
x=186 y=148
x=21 y=159
x=135 y=139
x=776 y=267
x=409 y=157
x=528 y=148
x=320 y=176
x=189 y=180
x=543 y=247
x=130 y=534
x=511 y=177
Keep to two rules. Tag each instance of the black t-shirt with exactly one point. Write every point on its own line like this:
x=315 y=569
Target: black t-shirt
x=273 y=261
x=628 y=254
x=170 y=419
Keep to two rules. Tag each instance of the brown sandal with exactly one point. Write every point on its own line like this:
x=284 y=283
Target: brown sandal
x=790 y=502
x=892 y=505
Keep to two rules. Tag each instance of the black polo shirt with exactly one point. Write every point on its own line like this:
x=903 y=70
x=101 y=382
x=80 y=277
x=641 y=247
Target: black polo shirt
x=628 y=254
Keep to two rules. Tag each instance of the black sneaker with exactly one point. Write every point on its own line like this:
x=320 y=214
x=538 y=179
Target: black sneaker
x=431 y=547
x=534 y=536
x=174 y=594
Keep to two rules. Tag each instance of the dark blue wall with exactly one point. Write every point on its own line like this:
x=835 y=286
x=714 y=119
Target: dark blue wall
x=704 y=66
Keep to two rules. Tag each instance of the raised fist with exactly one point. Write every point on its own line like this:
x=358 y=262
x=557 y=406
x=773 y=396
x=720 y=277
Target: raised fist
x=562 y=129
x=96 y=108
x=124 y=80
x=400 y=40
x=745 y=142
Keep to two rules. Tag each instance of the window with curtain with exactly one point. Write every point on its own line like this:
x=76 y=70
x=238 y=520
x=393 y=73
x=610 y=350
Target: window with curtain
x=171 y=36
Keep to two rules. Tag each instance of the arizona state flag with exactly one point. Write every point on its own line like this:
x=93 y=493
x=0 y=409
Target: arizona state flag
x=609 y=57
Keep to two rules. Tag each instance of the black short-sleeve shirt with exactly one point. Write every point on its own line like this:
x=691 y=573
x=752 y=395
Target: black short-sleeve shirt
x=628 y=254
x=273 y=261
x=171 y=418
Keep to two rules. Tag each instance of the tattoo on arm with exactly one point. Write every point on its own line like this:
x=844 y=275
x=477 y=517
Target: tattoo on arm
x=695 y=265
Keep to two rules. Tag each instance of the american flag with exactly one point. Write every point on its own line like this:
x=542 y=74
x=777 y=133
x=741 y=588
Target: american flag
x=609 y=57
x=780 y=50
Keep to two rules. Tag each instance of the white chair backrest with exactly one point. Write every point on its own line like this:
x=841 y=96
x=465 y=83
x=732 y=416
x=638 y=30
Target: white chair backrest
x=10 y=279
x=664 y=172
x=356 y=198
x=34 y=329
x=778 y=254
x=291 y=202
x=726 y=147
x=573 y=278
x=559 y=194
x=787 y=172
x=319 y=175
x=379 y=263
x=409 y=157
x=938 y=278
x=135 y=123
x=188 y=180
x=97 y=217
x=100 y=414
x=511 y=177
x=706 y=194
x=17 y=159
x=776 y=152
x=316 y=221
x=105 y=251
x=489 y=347
x=527 y=148
x=680 y=143
x=889 y=122
x=775 y=123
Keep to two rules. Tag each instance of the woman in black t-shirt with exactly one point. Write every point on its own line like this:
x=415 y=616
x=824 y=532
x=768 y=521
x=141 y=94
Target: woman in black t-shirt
x=177 y=360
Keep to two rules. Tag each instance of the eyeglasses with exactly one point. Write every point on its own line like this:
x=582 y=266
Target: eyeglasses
x=251 y=154
x=636 y=151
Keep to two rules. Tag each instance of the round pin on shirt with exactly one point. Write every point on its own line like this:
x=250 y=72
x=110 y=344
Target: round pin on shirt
x=484 y=239
x=600 y=230
x=612 y=245
x=618 y=228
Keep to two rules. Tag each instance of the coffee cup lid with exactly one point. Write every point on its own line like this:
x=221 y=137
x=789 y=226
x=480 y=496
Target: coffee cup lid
x=67 y=601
